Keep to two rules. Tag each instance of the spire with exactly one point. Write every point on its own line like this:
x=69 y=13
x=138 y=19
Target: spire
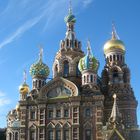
x=115 y=114
x=70 y=7
x=89 y=51
x=40 y=54
x=114 y=33
x=24 y=76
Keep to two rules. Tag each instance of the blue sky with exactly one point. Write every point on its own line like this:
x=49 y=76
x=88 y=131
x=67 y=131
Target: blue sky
x=26 y=24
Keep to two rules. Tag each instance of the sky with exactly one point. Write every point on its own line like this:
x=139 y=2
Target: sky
x=27 y=24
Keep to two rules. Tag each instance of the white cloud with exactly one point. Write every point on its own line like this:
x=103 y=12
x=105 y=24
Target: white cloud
x=3 y=99
x=86 y=3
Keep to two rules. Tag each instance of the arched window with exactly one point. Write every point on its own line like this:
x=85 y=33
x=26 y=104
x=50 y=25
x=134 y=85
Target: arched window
x=114 y=58
x=32 y=134
x=91 y=78
x=110 y=58
x=115 y=76
x=58 y=132
x=117 y=57
x=39 y=83
x=77 y=71
x=66 y=132
x=88 y=134
x=66 y=68
x=87 y=78
x=16 y=136
x=84 y=79
x=50 y=135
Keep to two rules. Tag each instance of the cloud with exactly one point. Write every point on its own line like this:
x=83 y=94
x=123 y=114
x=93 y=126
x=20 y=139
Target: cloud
x=22 y=29
x=3 y=99
x=45 y=12
x=86 y=3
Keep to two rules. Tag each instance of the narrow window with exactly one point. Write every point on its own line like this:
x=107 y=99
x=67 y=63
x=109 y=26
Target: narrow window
x=32 y=115
x=66 y=113
x=58 y=135
x=88 y=134
x=110 y=58
x=50 y=135
x=114 y=58
x=117 y=57
x=77 y=71
x=66 y=134
x=91 y=78
x=66 y=68
x=58 y=113
x=50 y=115
x=87 y=78
x=87 y=112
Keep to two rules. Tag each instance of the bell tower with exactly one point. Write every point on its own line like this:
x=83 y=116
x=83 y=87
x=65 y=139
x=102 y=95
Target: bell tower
x=116 y=79
x=67 y=58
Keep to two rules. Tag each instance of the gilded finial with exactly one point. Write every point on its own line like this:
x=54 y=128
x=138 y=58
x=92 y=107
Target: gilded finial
x=70 y=7
x=40 y=53
x=114 y=33
x=24 y=76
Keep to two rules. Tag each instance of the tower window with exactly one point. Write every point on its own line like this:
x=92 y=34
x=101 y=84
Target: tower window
x=87 y=78
x=91 y=78
x=77 y=70
x=117 y=57
x=87 y=112
x=84 y=79
x=110 y=58
x=66 y=68
x=114 y=58
x=39 y=83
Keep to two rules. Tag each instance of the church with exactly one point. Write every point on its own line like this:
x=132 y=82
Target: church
x=77 y=103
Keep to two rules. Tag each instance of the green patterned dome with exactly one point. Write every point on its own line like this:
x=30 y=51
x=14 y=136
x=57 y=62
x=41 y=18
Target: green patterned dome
x=39 y=68
x=70 y=18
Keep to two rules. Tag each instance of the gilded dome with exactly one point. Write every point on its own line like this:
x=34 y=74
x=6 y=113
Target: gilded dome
x=39 y=68
x=88 y=62
x=114 y=44
x=24 y=88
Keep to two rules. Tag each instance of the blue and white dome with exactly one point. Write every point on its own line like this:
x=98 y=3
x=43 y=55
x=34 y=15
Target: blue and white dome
x=88 y=62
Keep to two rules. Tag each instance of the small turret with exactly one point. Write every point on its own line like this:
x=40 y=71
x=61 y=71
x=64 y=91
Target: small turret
x=88 y=66
x=24 y=88
x=39 y=72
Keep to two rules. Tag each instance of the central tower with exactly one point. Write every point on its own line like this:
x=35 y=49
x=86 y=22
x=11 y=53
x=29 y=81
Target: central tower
x=69 y=54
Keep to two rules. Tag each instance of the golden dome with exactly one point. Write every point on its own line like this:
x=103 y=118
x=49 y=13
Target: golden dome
x=24 y=88
x=114 y=44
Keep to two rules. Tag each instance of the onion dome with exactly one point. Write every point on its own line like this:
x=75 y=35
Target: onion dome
x=39 y=69
x=70 y=18
x=88 y=62
x=114 y=43
x=24 y=88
